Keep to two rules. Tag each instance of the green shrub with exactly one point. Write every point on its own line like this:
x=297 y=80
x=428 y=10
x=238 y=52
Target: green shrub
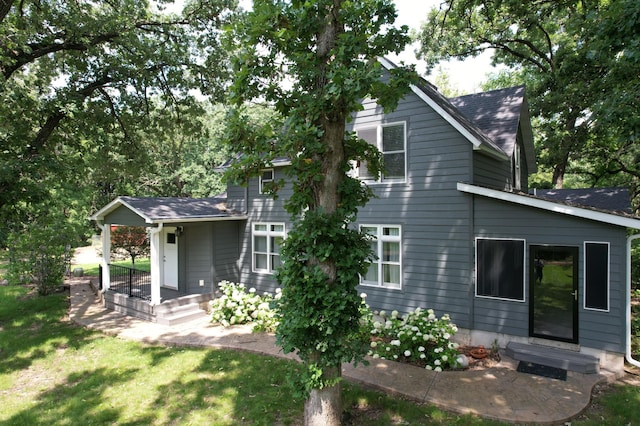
x=239 y=306
x=40 y=255
x=418 y=337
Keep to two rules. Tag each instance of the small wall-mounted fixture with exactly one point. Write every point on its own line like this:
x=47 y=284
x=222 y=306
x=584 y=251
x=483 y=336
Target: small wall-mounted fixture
x=179 y=231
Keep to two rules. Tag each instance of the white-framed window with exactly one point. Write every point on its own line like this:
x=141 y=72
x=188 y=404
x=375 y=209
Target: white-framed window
x=596 y=276
x=500 y=268
x=391 y=141
x=266 y=177
x=386 y=270
x=266 y=241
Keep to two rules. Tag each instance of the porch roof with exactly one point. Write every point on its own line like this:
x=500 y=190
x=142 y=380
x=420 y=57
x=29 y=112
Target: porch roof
x=155 y=210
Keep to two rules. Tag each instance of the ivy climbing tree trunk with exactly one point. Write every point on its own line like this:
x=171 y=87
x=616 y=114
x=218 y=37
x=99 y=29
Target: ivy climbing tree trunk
x=315 y=62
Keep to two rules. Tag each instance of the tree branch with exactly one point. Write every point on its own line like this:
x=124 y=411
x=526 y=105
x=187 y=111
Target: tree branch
x=54 y=119
x=112 y=107
x=5 y=7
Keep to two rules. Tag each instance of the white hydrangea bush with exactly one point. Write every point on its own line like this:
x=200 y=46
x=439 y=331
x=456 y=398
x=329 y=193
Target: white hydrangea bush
x=237 y=305
x=419 y=337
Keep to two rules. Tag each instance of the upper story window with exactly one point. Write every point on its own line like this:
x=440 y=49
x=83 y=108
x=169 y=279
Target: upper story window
x=266 y=178
x=386 y=270
x=267 y=238
x=517 y=169
x=391 y=141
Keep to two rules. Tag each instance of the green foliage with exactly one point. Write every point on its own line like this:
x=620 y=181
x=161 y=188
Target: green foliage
x=236 y=305
x=418 y=337
x=579 y=61
x=315 y=62
x=91 y=91
x=132 y=239
x=40 y=255
x=317 y=320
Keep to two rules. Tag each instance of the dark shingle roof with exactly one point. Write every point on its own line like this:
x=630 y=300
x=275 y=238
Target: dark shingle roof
x=496 y=113
x=609 y=199
x=466 y=122
x=171 y=209
x=164 y=208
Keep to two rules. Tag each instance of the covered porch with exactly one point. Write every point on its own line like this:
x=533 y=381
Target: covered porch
x=184 y=235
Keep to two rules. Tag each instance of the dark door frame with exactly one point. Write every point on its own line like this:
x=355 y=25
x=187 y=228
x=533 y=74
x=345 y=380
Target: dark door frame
x=575 y=252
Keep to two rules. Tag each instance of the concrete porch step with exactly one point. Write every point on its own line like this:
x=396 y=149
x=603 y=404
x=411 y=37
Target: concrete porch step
x=554 y=357
x=179 y=314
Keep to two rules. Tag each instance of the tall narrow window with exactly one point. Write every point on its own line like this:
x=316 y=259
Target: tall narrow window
x=596 y=276
x=500 y=268
x=267 y=238
x=390 y=139
x=517 y=172
x=386 y=243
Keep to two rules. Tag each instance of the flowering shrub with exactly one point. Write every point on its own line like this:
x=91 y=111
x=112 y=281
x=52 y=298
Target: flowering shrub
x=418 y=337
x=239 y=306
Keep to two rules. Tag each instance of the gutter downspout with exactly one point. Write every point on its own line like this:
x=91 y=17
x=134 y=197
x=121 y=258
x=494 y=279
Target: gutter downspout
x=628 y=355
x=246 y=200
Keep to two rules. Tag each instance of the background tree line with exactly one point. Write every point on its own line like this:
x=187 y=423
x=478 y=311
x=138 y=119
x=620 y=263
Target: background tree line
x=580 y=62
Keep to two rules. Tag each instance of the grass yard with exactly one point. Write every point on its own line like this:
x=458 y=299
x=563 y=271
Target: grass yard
x=55 y=373
x=91 y=269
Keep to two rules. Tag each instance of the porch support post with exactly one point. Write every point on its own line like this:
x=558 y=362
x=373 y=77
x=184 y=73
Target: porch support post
x=156 y=262
x=106 y=255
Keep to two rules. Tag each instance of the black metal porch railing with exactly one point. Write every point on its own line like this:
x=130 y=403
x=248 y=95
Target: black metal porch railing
x=130 y=281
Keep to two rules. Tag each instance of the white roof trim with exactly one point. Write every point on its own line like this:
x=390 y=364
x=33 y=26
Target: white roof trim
x=200 y=219
x=100 y=214
x=477 y=144
x=113 y=205
x=551 y=206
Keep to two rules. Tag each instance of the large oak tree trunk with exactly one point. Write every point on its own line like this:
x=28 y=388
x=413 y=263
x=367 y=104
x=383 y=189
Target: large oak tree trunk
x=323 y=407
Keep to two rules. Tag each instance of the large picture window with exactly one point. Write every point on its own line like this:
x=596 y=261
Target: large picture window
x=390 y=139
x=386 y=243
x=596 y=276
x=500 y=268
x=267 y=238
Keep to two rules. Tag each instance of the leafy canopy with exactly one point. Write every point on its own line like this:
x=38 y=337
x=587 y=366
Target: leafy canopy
x=84 y=86
x=575 y=58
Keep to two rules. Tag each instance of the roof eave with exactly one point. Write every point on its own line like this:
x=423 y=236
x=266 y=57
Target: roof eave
x=112 y=206
x=598 y=216
x=192 y=219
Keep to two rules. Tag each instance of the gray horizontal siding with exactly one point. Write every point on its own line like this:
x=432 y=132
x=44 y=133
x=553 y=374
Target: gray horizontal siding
x=123 y=216
x=261 y=208
x=208 y=252
x=433 y=215
x=225 y=251
x=491 y=172
x=198 y=256
x=497 y=219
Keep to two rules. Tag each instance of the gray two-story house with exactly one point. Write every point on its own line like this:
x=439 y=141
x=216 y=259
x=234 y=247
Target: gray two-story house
x=454 y=225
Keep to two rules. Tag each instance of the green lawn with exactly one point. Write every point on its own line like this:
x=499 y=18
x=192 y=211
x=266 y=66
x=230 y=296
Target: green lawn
x=55 y=373
x=91 y=269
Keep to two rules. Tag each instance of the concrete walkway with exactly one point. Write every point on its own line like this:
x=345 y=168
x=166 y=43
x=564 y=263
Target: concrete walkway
x=498 y=393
